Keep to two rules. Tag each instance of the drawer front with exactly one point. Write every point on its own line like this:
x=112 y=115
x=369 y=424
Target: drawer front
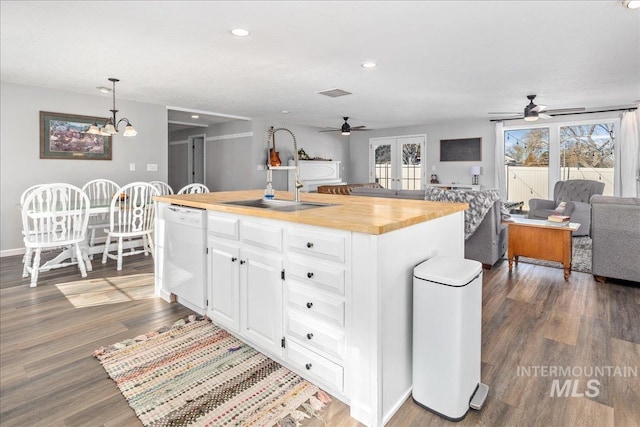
x=326 y=245
x=316 y=335
x=325 y=307
x=262 y=236
x=223 y=226
x=306 y=270
x=315 y=366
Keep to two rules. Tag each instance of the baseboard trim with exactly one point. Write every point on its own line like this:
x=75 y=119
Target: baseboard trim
x=11 y=252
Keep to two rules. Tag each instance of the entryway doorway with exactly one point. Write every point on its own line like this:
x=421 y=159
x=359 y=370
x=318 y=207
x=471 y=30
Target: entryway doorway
x=196 y=159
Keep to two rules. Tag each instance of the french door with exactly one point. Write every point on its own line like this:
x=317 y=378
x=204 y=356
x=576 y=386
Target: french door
x=398 y=163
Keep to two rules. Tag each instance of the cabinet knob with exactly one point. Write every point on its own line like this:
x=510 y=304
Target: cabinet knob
x=309 y=245
x=309 y=275
x=242 y=262
x=308 y=366
x=309 y=335
x=233 y=259
x=309 y=304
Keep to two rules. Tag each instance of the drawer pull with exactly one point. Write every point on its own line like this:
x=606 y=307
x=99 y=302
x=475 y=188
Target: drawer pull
x=242 y=262
x=309 y=304
x=309 y=335
x=233 y=259
x=309 y=245
x=308 y=366
x=309 y=275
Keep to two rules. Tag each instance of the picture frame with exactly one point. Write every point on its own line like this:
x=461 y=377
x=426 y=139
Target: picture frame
x=461 y=150
x=63 y=136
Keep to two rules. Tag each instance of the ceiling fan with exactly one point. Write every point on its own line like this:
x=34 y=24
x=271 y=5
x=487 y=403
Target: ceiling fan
x=533 y=112
x=346 y=128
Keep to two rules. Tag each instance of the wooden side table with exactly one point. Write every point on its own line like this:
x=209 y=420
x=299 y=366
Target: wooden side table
x=537 y=239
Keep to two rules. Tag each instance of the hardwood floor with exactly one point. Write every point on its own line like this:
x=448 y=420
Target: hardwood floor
x=533 y=322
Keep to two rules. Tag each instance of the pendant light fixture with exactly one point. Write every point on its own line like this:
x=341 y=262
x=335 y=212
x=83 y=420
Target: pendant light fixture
x=111 y=126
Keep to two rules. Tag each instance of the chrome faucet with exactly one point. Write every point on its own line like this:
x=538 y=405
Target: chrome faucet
x=297 y=184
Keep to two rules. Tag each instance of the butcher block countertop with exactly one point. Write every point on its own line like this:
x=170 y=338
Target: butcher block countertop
x=371 y=215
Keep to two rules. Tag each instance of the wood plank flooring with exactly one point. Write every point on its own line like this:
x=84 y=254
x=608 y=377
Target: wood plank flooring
x=532 y=319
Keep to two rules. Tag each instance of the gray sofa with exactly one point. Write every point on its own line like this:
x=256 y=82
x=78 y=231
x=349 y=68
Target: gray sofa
x=576 y=193
x=615 y=233
x=487 y=244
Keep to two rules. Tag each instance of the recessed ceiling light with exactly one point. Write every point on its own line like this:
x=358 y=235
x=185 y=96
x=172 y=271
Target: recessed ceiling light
x=103 y=89
x=368 y=65
x=195 y=116
x=285 y=111
x=631 y=4
x=239 y=32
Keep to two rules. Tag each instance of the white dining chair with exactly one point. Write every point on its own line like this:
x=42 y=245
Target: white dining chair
x=194 y=189
x=163 y=187
x=55 y=216
x=99 y=191
x=131 y=216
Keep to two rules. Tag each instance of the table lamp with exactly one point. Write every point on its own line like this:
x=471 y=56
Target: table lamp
x=475 y=172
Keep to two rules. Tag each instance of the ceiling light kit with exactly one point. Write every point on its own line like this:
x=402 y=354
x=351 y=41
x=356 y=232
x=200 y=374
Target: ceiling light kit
x=195 y=116
x=631 y=4
x=239 y=32
x=346 y=128
x=369 y=64
x=111 y=126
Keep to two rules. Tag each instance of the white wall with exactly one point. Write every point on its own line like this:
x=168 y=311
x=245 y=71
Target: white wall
x=358 y=170
x=20 y=163
x=231 y=164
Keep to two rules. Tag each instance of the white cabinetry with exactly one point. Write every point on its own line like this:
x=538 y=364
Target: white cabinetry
x=316 y=307
x=245 y=278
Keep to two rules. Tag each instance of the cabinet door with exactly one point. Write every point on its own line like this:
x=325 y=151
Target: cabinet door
x=260 y=278
x=224 y=285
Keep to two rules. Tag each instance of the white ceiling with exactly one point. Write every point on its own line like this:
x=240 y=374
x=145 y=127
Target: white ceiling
x=437 y=60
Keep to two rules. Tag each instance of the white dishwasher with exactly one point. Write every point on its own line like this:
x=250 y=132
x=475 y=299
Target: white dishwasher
x=185 y=255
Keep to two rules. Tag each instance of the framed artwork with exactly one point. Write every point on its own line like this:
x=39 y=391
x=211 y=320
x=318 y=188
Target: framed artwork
x=461 y=150
x=64 y=136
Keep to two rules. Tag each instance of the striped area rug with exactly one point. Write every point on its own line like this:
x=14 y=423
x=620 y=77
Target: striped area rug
x=195 y=373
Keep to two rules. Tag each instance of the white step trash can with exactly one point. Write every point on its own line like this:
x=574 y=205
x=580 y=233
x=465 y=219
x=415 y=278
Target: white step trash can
x=447 y=322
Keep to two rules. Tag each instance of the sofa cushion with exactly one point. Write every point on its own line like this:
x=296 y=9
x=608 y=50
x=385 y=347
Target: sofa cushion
x=373 y=192
x=410 y=194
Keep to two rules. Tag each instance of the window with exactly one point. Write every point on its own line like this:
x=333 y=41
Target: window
x=586 y=152
x=537 y=157
x=398 y=163
x=526 y=153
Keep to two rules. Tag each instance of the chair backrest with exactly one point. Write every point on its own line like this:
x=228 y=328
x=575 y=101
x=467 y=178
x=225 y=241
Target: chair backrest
x=576 y=190
x=163 y=187
x=55 y=214
x=28 y=191
x=132 y=208
x=100 y=189
x=193 y=189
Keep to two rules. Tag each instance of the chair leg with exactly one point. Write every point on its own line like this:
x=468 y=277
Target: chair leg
x=92 y=240
x=83 y=269
x=145 y=245
x=86 y=258
x=150 y=240
x=106 y=249
x=27 y=262
x=35 y=269
x=120 y=248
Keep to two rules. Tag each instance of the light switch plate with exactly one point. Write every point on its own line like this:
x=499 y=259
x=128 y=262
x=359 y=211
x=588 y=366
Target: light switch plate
x=132 y=167
x=152 y=167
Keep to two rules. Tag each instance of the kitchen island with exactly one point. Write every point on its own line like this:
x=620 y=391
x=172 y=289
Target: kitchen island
x=325 y=291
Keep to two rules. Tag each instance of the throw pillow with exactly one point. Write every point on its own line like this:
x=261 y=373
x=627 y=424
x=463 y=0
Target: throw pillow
x=559 y=210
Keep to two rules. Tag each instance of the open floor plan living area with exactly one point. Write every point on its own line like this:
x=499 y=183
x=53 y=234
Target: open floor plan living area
x=320 y=213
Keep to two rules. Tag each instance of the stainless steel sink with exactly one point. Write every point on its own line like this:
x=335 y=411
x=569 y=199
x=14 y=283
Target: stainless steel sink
x=278 y=205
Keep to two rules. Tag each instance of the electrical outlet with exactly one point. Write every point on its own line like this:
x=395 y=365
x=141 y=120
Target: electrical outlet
x=152 y=167
x=132 y=167
x=261 y=167
x=433 y=168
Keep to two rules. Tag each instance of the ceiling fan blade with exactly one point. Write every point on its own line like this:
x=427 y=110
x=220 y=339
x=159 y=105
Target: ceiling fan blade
x=510 y=113
x=357 y=127
x=330 y=130
x=361 y=129
x=539 y=108
x=544 y=116
x=565 y=110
